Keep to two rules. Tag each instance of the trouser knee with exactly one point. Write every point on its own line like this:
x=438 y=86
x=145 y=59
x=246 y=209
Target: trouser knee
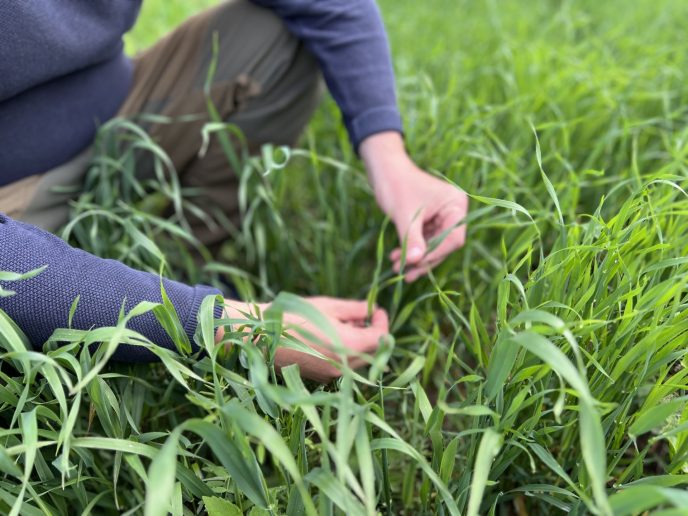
x=277 y=82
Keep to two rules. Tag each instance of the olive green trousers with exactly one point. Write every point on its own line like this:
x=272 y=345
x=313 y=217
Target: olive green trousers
x=266 y=83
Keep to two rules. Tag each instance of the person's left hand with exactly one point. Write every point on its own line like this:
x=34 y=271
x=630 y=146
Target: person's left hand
x=421 y=206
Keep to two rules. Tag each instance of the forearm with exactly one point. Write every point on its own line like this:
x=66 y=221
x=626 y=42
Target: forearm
x=388 y=166
x=349 y=41
x=42 y=304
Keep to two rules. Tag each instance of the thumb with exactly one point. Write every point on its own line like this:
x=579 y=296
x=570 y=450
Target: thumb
x=410 y=231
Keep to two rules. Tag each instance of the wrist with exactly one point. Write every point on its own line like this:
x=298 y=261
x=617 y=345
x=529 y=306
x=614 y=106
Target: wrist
x=240 y=310
x=384 y=152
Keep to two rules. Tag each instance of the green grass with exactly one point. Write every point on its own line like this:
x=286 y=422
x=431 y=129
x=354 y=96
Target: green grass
x=540 y=370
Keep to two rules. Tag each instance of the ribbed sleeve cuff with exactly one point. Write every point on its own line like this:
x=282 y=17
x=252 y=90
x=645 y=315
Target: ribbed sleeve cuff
x=374 y=121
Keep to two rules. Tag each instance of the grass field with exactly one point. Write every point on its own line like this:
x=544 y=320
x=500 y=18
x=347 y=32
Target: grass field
x=540 y=370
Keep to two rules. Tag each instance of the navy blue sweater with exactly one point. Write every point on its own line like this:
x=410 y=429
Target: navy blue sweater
x=63 y=71
x=42 y=304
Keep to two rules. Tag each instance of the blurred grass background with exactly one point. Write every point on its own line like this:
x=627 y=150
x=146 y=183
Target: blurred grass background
x=597 y=257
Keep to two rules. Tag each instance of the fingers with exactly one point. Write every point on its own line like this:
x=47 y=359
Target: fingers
x=344 y=310
x=364 y=340
x=451 y=243
x=415 y=273
x=354 y=312
x=453 y=237
x=357 y=339
x=356 y=329
x=349 y=318
x=380 y=320
x=312 y=367
x=410 y=229
x=450 y=218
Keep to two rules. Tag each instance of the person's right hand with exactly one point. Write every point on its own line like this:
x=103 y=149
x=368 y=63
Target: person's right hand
x=347 y=317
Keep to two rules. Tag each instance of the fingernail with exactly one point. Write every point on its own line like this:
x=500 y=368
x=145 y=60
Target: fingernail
x=415 y=253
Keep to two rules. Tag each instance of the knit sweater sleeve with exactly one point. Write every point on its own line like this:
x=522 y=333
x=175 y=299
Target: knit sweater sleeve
x=42 y=304
x=349 y=41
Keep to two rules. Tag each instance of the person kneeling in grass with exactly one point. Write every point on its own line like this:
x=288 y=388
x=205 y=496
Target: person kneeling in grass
x=63 y=69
